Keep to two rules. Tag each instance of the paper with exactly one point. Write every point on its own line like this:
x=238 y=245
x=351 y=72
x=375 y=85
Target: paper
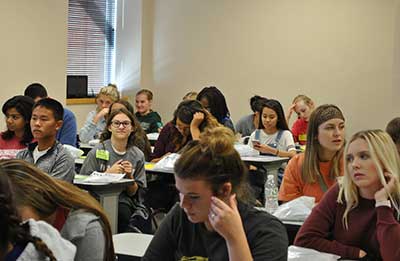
x=101 y=177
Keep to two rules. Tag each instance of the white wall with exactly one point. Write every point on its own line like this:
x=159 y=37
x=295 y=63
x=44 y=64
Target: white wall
x=33 y=47
x=336 y=51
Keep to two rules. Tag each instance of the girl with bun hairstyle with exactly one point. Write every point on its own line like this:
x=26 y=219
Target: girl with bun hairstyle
x=213 y=220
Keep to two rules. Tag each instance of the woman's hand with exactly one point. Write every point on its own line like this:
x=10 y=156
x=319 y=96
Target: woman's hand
x=388 y=188
x=116 y=168
x=263 y=148
x=290 y=111
x=127 y=167
x=198 y=118
x=362 y=253
x=101 y=114
x=225 y=218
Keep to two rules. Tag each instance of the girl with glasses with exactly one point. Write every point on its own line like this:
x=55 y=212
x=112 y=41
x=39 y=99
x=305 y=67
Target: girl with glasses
x=116 y=153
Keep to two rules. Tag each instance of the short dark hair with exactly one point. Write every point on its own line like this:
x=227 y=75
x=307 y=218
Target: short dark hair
x=53 y=105
x=256 y=102
x=23 y=105
x=35 y=90
x=393 y=128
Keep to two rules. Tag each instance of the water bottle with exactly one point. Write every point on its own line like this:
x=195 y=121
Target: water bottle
x=271 y=195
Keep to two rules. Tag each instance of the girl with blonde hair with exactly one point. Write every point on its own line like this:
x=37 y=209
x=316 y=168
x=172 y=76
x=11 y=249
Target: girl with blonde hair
x=361 y=213
x=213 y=220
x=96 y=119
x=78 y=216
x=311 y=173
x=303 y=106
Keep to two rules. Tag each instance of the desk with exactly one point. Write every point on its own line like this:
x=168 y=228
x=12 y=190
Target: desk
x=108 y=195
x=131 y=244
x=272 y=163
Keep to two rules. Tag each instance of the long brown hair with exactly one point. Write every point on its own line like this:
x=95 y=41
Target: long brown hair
x=11 y=230
x=310 y=168
x=214 y=159
x=45 y=195
x=135 y=138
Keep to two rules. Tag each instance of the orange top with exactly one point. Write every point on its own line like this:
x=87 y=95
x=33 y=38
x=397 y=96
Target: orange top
x=293 y=186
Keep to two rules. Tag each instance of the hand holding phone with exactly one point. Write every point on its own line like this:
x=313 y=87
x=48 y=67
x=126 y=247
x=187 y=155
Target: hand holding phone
x=256 y=143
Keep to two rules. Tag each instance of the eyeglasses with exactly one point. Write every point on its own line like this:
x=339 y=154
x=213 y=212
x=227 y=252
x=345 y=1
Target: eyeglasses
x=116 y=124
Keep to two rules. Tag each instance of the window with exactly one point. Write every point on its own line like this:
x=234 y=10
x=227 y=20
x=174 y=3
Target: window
x=91 y=38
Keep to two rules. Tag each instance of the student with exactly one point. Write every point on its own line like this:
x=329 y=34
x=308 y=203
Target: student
x=78 y=216
x=116 y=153
x=272 y=136
x=18 y=112
x=303 y=106
x=149 y=120
x=214 y=101
x=358 y=218
x=393 y=128
x=213 y=220
x=140 y=139
x=190 y=96
x=249 y=123
x=67 y=133
x=31 y=240
x=313 y=172
x=47 y=153
x=96 y=120
x=190 y=119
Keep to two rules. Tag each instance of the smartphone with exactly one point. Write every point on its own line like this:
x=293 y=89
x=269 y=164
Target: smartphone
x=255 y=142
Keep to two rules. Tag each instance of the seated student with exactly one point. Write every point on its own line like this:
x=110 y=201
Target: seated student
x=31 y=240
x=214 y=101
x=67 y=133
x=96 y=119
x=78 y=216
x=313 y=172
x=359 y=217
x=190 y=119
x=393 y=128
x=273 y=135
x=47 y=153
x=117 y=154
x=140 y=139
x=249 y=123
x=18 y=112
x=149 y=120
x=303 y=106
x=213 y=220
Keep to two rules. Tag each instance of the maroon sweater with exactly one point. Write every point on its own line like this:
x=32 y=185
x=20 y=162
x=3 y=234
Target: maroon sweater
x=374 y=230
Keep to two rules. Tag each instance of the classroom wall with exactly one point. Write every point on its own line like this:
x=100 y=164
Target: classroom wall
x=338 y=51
x=344 y=52
x=33 y=47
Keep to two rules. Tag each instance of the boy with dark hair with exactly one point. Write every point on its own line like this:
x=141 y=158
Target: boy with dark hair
x=67 y=133
x=393 y=128
x=47 y=153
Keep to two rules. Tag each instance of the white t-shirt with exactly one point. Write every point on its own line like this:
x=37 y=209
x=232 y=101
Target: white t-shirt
x=285 y=143
x=37 y=154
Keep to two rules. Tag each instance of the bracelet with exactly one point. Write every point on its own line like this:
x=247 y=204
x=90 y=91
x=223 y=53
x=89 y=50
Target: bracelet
x=277 y=152
x=385 y=203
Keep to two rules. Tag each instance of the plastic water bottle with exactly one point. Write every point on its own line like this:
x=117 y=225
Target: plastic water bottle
x=271 y=195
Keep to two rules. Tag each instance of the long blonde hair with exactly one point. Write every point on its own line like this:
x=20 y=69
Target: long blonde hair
x=384 y=154
x=310 y=167
x=36 y=189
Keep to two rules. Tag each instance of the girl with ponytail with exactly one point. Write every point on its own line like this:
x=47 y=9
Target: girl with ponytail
x=78 y=216
x=31 y=240
x=213 y=220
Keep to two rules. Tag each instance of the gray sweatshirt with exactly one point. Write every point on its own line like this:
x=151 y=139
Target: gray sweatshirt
x=61 y=248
